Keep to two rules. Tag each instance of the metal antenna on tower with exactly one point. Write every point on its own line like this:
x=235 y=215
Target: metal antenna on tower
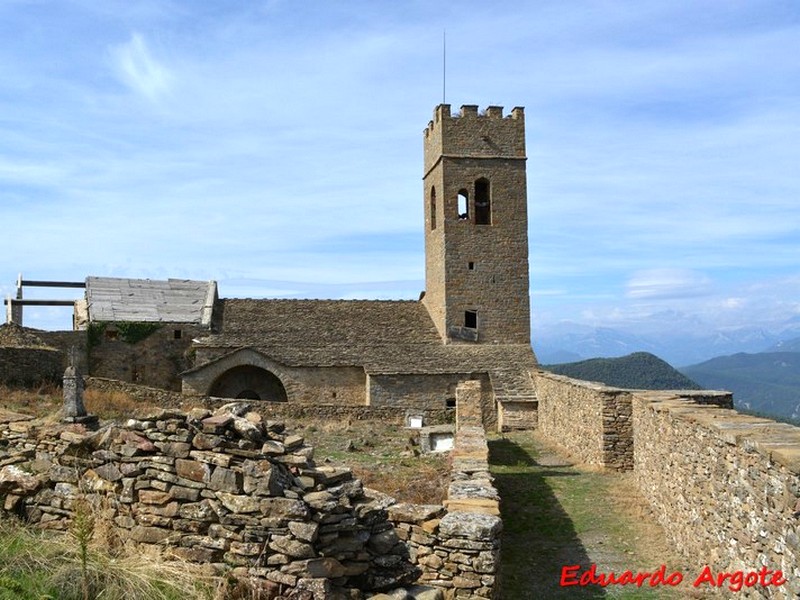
x=444 y=66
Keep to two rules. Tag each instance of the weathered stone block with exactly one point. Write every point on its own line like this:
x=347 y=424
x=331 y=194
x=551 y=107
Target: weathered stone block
x=226 y=480
x=238 y=503
x=149 y=535
x=291 y=547
x=193 y=470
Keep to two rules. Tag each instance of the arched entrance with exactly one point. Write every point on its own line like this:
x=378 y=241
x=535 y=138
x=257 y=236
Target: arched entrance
x=248 y=382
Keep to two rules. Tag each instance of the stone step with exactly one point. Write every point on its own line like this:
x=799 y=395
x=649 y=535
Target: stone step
x=513 y=385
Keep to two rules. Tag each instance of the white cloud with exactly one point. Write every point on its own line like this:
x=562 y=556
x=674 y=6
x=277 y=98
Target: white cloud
x=140 y=70
x=651 y=284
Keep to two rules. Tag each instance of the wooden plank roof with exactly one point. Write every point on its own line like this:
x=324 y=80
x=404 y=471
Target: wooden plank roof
x=171 y=300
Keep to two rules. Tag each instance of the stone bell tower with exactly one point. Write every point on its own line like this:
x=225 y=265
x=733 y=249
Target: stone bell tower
x=476 y=226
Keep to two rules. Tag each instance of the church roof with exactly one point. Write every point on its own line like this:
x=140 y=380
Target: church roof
x=385 y=337
x=171 y=300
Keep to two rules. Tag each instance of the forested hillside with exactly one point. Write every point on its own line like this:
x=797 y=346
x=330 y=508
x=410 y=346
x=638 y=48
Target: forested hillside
x=767 y=382
x=640 y=370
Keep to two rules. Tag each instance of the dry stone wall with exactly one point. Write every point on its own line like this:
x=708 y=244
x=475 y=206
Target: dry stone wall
x=223 y=488
x=592 y=422
x=30 y=366
x=457 y=545
x=725 y=486
x=588 y=420
x=156 y=360
x=235 y=490
x=397 y=415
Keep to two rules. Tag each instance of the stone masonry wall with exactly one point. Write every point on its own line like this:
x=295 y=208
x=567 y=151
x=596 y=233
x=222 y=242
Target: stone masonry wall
x=592 y=422
x=310 y=385
x=429 y=392
x=66 y=341
x=235 y=490
x=276 y=410
x=155 y=360
x=457 y=545
x=30 y=366
x=725 y=486
x=223 y=488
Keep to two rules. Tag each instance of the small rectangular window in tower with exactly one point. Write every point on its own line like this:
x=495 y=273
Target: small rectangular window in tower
x=463 y=205
x=471 y=266
x=177 y=334
x=433 y=208
x=471 y=319
x=483 y=208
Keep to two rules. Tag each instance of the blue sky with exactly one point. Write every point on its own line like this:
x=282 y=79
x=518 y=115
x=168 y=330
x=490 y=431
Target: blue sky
x=276 y=147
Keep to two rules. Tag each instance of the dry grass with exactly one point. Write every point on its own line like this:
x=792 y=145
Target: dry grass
x=48 y=400
x=385 y=457
x=41 y=565
x=114 y=405
x=45 y=399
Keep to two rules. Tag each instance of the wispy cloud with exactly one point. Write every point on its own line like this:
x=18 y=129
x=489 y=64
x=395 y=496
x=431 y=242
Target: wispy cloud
x=667 y=283
x=140 y=70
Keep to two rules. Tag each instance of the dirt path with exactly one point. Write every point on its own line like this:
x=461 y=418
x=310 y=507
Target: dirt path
x=556 y=515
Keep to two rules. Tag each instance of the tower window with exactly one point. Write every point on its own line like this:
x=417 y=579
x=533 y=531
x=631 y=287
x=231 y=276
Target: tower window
x=483 y=206
x=471 y=266
x=471 y=319
x=463 y=205
x=433 y=208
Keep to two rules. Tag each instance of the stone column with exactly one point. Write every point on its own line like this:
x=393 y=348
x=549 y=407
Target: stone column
x=74 y=409
x=469 y=411
x=73 y=393
x=16 y=310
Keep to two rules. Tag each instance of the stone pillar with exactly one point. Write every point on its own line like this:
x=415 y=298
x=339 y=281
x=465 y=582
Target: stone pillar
x=74 y=409
x=469 y=412
x=16 y=310
x=73 y=393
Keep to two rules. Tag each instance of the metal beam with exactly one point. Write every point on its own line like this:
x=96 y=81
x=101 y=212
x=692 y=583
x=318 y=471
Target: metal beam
x=14 y=302
x=57 y=284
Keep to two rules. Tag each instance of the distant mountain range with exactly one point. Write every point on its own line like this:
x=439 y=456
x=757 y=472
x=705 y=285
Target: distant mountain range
x=640 y=370
x=679 y=339
x=766 y=383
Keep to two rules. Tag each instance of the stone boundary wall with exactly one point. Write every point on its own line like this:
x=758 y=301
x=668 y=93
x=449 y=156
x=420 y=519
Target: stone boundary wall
x=517 y=414
x=225 y=488
x=592 y=422
x=30 y=366
x=278 y=410
x=232 y=489
x=457 y=546
x=141 y=393
x=725 y=486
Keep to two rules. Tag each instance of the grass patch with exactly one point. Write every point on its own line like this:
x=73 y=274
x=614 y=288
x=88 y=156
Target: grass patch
x=38 y=565
x=40 y=401
x=555 y=514
x=384 y=456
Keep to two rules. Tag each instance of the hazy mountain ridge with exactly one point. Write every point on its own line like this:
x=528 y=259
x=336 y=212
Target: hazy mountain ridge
x=640 y=370
x=765 y=382
x=679 y=340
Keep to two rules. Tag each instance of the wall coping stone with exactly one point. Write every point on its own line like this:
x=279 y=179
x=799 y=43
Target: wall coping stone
x=779 y=442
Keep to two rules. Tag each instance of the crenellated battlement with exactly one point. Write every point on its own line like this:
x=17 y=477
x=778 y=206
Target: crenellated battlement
x=472 y=133
x=471 y=111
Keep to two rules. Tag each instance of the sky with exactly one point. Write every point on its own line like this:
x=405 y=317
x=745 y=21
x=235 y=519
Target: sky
x=276 y=147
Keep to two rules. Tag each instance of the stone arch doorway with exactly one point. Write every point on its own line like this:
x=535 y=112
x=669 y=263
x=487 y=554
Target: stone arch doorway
x=249 y=382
